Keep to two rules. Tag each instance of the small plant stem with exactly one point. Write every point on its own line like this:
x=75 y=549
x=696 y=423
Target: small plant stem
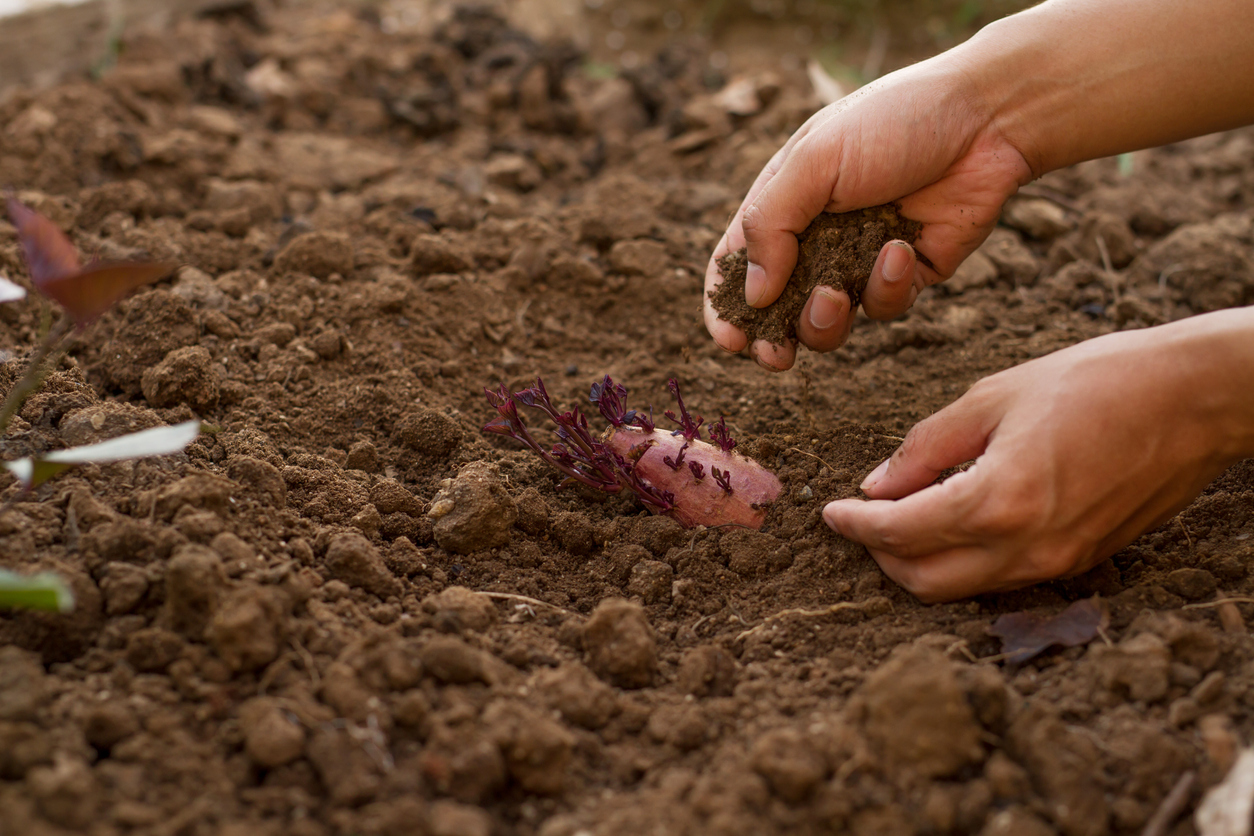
x=47 y=354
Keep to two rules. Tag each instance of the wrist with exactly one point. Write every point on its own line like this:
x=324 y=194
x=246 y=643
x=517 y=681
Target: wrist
x=1216 y=351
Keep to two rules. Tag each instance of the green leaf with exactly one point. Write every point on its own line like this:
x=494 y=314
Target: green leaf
x=44 y=591
x=33 y=471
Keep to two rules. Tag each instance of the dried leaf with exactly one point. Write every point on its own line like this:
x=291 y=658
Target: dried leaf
x=55 y=270
x=1024 y=634
x=33 y=471
x=1226 y=809
x=10 y=292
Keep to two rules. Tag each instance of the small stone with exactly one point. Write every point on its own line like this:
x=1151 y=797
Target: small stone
x=450 y=818
x=430 y=254
x=474 y=511
x=619 y=644
x=1036 y=217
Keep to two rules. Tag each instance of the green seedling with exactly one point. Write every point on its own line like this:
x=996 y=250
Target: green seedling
x=44 y=591
x=84 y=293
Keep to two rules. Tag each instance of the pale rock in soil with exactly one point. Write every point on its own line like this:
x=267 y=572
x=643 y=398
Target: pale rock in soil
x=1228 y=809
x=1036 y=217
x=619 y=644
x=1016 y=821
x=272 y=736
x=917 y=716
x=430 y=254
x=353 y=559
x=473 y=511
x=1191 y=583
x=459 y=607
x=575 y=692
x=977 y=271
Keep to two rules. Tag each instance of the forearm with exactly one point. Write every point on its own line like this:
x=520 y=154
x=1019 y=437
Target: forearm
x=1215 y=353
x=1072 y=80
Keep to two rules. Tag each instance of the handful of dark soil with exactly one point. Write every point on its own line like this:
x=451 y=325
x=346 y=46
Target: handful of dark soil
x=836 y=250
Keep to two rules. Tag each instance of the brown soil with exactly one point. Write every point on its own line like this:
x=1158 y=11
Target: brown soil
x=275 y=636
x=835 y=250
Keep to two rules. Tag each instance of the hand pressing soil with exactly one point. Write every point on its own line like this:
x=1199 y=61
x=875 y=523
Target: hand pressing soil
x=836 y=250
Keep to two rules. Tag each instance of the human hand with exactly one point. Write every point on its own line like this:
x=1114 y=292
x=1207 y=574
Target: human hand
x=1076 y=454
x=920 y=137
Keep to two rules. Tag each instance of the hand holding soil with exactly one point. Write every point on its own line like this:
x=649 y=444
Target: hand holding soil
x=895 y=140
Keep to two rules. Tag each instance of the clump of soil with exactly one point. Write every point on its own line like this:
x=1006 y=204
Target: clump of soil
x=836 y=250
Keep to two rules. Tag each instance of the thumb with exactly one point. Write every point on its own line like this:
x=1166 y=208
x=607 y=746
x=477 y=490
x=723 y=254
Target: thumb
x=957 y=434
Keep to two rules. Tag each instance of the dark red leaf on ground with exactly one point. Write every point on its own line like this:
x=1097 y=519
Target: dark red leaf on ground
x=57 y=273
x=1025 y=634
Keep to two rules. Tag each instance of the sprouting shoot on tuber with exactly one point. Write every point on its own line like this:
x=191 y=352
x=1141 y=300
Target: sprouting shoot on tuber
x=677 y=473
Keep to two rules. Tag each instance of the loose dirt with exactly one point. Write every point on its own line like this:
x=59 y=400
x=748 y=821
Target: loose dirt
x=835 y=250
x=275 y=636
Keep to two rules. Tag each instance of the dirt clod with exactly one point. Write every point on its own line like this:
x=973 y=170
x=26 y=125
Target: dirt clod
x=835 y=250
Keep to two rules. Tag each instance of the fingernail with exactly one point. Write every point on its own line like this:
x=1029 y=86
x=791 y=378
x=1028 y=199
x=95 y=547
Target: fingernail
x=874 y=476
x=755 y=284
x=825 y=309
x=896 y=260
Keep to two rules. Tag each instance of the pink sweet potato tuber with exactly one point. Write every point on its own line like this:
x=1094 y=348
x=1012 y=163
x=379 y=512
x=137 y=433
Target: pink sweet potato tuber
x=674 y=473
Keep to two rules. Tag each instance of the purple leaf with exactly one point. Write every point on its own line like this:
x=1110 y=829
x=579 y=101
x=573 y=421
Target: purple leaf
x=1024 y=634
